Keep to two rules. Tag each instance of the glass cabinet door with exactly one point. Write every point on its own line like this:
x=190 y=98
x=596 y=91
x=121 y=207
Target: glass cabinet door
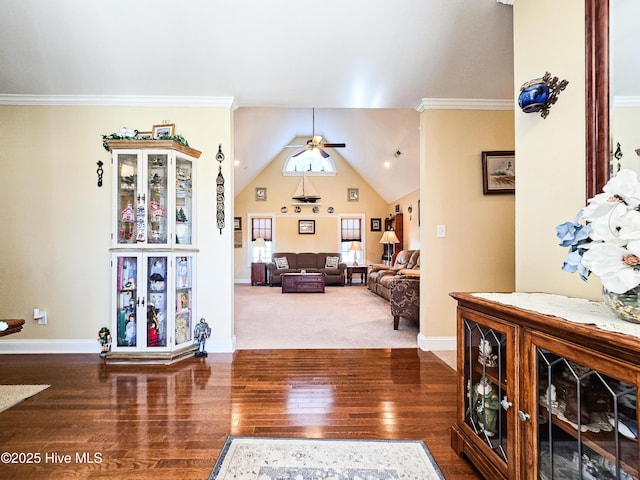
x=184 y=293
x=127 y=198
x=156 y=332
x=157 y=170
x=127 y=301
x=586 y=418
x=487 y=347
x=184 y=202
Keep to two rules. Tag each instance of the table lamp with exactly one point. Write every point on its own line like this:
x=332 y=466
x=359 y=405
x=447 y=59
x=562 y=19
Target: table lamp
x=355 y=247
x=259 y=244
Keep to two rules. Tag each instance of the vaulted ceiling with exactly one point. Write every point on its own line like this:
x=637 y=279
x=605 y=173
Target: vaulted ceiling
x=365 y=65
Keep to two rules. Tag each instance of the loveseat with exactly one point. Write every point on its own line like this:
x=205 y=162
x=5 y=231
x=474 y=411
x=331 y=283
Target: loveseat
x=327 y=263
x=380 y=277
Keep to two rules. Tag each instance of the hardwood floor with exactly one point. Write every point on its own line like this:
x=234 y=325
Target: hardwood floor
x=143 y=422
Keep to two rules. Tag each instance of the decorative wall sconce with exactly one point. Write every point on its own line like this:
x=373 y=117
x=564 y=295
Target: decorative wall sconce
x=539 y=94
x=410 y=209
x=100 y=171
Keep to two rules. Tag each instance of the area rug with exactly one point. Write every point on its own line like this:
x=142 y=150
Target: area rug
x=244 y=458
x=11 y=395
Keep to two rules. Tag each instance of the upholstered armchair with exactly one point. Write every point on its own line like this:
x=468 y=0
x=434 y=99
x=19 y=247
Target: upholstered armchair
x=404 y=297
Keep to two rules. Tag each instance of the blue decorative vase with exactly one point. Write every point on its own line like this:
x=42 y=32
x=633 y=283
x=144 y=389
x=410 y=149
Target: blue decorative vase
x=533 y=96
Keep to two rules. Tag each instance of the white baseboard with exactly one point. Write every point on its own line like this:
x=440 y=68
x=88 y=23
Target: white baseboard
x=88 y=346
x=436 y=344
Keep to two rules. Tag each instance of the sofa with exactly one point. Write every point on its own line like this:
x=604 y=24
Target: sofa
x=380 y=277
x=327 y=263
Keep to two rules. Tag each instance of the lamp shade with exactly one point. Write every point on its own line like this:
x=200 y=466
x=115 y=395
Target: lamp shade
x=355 y=246
x=259 y=243
x=389 y=236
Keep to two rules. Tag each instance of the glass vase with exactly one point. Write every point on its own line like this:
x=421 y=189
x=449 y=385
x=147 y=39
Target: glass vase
x=625 y=306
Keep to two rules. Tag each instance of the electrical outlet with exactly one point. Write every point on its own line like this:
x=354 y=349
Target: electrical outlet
x=441 y=231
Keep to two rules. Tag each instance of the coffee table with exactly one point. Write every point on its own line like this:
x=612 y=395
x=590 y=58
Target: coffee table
x=302 y=282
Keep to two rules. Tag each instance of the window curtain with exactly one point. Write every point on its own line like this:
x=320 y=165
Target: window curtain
x=350 y=230
x=261 y=228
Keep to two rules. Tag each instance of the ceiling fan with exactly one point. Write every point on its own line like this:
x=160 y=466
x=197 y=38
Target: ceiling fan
x=315 y=141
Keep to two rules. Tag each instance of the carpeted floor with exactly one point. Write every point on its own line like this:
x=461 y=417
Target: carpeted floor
x=280 y=458
x=11 y=395
x=342 y=317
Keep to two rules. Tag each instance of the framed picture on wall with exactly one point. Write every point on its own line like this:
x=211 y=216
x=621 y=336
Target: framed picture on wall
x=376 y=224
x=499 y=172
x=353 y=195
x=306 y=227
x=261 y=194
x=237 y=223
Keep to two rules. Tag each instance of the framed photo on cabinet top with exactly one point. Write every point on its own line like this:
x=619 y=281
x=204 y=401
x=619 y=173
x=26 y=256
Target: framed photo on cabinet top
x=144 y=136
x=499 y=172
x=164 y=130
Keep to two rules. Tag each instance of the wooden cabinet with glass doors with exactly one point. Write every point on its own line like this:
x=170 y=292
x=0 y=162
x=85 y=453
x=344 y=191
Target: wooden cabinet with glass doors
x=153 y=252
x=542 y=397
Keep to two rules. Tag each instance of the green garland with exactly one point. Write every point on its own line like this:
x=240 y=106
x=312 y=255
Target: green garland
x=115 y=136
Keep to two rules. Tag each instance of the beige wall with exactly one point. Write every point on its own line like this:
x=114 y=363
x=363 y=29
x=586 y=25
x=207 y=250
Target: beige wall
x=56 y=222
x=411 y=230
x=477 y=253
x=332 y=189
x=551 y=151
x=624 y=129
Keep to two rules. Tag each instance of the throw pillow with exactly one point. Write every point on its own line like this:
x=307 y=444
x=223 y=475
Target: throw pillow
x=331 y=262
x=281 y=263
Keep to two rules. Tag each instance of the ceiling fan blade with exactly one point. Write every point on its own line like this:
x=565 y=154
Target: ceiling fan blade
x=294 y=146
x=300 y=152
x=334 y=145
x=323 y=153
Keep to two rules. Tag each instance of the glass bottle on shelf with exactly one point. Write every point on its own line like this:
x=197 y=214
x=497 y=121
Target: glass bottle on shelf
x=127 y=198
x=157 y=301
x=157 y=168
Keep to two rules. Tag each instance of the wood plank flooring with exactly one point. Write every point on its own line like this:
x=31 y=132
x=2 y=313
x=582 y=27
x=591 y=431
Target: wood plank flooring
x=143 y=422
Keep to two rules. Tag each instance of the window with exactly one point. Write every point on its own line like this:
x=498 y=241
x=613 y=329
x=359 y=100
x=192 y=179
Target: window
x=261 y=227
x=309 y=162
x=351 y=231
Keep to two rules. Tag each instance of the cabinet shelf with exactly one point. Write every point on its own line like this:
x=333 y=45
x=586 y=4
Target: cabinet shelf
x=603 y=443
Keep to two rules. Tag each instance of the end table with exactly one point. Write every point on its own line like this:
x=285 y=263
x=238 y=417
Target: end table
x=258 y=273
x=351 y=269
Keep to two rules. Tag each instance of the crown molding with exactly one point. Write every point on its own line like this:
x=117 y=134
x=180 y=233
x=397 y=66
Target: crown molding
x=119 y=101
x=464 y=104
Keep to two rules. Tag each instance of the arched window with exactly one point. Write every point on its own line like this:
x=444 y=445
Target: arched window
x=309 y=162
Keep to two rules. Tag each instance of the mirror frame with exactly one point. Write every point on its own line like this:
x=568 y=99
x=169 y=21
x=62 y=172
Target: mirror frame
x=597 y=95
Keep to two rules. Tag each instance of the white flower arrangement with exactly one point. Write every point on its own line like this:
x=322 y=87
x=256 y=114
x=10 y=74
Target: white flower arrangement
x=604 y=238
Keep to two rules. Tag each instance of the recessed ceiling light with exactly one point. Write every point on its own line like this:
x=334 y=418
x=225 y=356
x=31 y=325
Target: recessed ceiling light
x=387 y=164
